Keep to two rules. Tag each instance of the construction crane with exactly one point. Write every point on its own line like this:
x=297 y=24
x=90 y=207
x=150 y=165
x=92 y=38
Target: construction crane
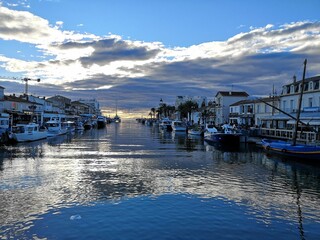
x=26 y=80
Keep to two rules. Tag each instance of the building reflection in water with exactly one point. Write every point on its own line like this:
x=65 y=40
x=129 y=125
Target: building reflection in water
x=119 y=163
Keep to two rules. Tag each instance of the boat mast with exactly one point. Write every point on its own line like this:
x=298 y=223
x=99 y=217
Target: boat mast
x=299 y=105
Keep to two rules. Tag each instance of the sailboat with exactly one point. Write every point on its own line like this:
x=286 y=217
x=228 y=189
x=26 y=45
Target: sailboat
x=117 y=119
x=302 y=151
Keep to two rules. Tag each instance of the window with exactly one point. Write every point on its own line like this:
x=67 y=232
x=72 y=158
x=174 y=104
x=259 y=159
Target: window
x=309 y=102
x=292 y=89
x=288 y=90
x=292 y=105
x=284 y=105
x=310 y=85
x=316 y=85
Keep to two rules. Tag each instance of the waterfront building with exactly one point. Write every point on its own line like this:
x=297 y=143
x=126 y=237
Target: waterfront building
x=95 y=106
x=281 y=125
x=78 y=108
x=263 y=109
x=60 y=103
x=223 y=101
x=242 y=113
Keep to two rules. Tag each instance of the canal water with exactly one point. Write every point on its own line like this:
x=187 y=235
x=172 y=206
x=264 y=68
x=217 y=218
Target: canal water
x=131 y=181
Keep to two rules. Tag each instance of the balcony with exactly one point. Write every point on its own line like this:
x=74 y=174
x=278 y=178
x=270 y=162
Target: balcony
x=285 y=134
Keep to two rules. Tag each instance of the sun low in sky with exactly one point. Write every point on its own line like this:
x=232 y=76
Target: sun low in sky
x=138 y=52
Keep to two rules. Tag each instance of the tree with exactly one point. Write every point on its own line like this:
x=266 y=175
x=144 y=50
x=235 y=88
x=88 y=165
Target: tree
x=187 y=108
x=153 y=112
x=165 y=110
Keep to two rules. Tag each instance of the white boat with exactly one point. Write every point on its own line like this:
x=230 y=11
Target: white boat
x=55 y=127
x=70 y=125
x=28 y=132
x=196 y=130
x=165 y=124
x=4 y=123
x=79 y=126
x=179 y=126
x=209 y=131
x=117 y=119
x=101 y=121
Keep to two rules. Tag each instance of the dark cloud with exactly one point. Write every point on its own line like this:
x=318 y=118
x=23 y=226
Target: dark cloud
x=109 y=50
x=256 y=74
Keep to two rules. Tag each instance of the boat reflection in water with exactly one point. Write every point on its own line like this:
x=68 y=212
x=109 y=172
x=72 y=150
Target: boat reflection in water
x=139 y=183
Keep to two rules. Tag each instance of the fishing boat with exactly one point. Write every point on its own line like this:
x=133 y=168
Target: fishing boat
x=165 y=124
x=228 y=136
x=179 y=126
x=70 y=125
x=4 y=122
x=101 y=121
x=284 y=148
x=292 y=149
x=55 y=128
x=195 y=131
x=28 y=132
x=116 y=118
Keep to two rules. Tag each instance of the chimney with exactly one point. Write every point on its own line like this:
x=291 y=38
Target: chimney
x=294 y=79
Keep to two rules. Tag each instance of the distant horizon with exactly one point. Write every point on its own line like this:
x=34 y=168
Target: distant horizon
x=139 y=52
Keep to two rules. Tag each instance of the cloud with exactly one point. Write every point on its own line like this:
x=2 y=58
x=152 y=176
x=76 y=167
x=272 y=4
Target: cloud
x=139 y=73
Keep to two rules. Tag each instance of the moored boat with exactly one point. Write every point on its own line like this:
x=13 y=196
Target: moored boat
x=165 y=124
x=196 y=131
x=292 y=149
x=101 y=121
x=179 y=126
x=70 y=126
x=28 y=132
x=55 y=128
x=284 y=148
x=4 y=122
x=228 y=136
x=117 y=119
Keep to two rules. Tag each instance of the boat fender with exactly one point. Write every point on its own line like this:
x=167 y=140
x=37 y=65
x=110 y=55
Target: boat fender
x=268 y=147
x=284 y=150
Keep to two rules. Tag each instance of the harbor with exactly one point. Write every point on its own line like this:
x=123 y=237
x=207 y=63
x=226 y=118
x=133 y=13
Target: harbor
x=134 y=181
x=159 y=120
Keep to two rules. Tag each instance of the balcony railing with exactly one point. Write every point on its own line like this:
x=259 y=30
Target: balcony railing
x=285 y=134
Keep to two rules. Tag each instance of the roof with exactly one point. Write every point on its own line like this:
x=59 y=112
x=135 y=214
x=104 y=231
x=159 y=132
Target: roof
x=246 y=101
x=316 y=78
x=232 y=94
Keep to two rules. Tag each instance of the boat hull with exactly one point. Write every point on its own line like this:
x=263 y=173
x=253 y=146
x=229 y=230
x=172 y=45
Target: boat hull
x=288 y=150
x=224 y=139
x=25 y=137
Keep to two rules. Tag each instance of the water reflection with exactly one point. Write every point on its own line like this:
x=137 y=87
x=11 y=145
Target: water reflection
x=129 y=160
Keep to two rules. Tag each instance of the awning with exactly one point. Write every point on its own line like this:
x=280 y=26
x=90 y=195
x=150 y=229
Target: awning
x=312 y=122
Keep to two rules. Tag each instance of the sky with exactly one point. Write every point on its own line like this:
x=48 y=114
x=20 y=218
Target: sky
x=132 y=53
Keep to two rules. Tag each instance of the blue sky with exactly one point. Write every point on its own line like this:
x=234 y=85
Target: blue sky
x=140 y=51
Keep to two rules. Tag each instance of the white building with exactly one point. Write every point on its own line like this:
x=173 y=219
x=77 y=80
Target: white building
x=281 y=125
x=242 y=113
x=223 y=101
x=93 y=103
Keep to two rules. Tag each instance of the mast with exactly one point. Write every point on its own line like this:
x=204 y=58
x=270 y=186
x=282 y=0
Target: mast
x=299 y=105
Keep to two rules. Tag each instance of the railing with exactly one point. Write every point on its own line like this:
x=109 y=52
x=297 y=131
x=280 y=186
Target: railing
x=305 y=137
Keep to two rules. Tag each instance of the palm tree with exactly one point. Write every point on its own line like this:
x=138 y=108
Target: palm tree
x=187 y=107
x=153 y=112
